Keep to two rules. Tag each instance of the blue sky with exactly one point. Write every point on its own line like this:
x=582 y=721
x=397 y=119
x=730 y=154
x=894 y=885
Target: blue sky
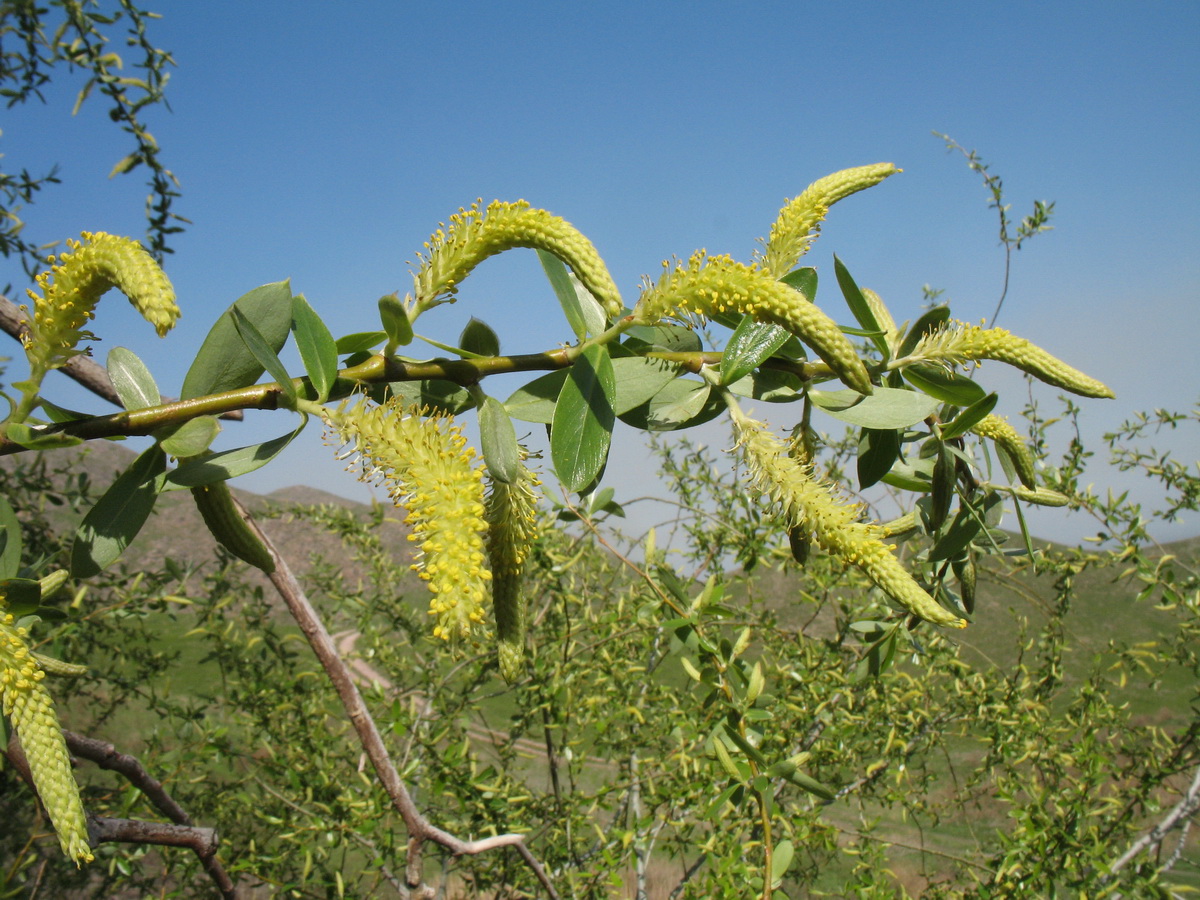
x=323 y=143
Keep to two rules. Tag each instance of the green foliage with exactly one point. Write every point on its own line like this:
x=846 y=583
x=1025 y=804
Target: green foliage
x=749 y=701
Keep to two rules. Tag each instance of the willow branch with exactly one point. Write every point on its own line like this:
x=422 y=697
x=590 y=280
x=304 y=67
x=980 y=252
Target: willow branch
x=420 y=829
x=82 y=369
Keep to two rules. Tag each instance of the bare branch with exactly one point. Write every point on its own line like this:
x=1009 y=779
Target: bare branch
x=102 y=829
x=1179 y=814
x=340 y=674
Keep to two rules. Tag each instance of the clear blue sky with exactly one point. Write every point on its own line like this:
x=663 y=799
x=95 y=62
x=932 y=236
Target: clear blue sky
x=323 y=142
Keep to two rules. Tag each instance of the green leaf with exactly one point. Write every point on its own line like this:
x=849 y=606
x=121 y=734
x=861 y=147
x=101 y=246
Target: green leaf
x=948 y=387
x=132 y=380
x=498 y=440
x=858 y=305
x=967 y=524
x=395 y=321
x=360 y=342
x=768 y=385
x=584 y=313
x=36 y=437
x=436 y=394
x=224 y=362
x=479 y=339
x=534 y=402
x=266 y=356
x=878 y=450
x=60 y=414
x=886 y=408
x=22 y=596
x=583 y=420
x=916 y=476
x=191 y=438
x=804 y=280
x=969 y=417
x=931 y=320
x=118 y=515
x=682 y=403
x=753 y=342
x=10 y=541
x=317 y=349
x=228 y=463
x=668 y=338
x=781 y=861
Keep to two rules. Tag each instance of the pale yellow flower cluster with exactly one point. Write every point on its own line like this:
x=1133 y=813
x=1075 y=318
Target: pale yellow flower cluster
x=959 y=342
x=74 y=284
x=428 y=469
x=474 y=234
x=717 y=284
x=27 y=704
x=799 y=221
x=998 y=430
x=809 y=507
x=512 y=528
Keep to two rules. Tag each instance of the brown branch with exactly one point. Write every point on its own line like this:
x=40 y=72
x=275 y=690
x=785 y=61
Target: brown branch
x=82 y=369
x=103 y=829
x=419 y=828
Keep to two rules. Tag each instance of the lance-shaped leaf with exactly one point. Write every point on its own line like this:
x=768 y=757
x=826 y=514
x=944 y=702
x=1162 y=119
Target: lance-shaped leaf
x=118 y=515
x=10 y=541
x=318 y=351
x=132 y=380
x=224 y=362
x=498 y=440
x=584 y=313
x=886 y=408
x=228 y=463
x=583 y=420
x=266 y=356
x=752 y=343
x=858 y=305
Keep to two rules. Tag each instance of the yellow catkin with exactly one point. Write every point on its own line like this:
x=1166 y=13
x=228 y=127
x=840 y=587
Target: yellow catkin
x=27 y=704
x=74 y=284
x=427 y=467
x=511 y=513
x=474 y=234
x=882 y=315
x=807 y=505
x=715 y=284
x=1009 y=441
x=959 y=342
x=799 y=221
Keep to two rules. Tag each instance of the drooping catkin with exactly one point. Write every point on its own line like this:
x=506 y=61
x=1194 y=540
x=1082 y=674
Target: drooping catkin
x=1009 y=442
x=74 y=285
x=511 y=513
x=714 y=284
x=428 y=469
x=27 y=704
x=799 y=221
x=808 y=505
x=474 y=234
x=958 y=342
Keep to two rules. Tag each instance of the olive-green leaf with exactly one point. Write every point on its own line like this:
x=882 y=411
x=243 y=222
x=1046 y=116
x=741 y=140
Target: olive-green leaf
x=360 y=342
x=228 y=463
x=682 y=403
x=781 y=861
x=10 y=541
x=262 y=351
x=886 y=408
x=118 y=515
x=930 y=320
x=498 y=440
x=479 y=339
x=878 y=449
x=803 y=279
x=752 y=343
x=858 y=305
x=584 y=313
x=132 y=380
x=318 y=351
x=224 y=362
x=969 y=417
x=583 y=420
x=191 y=438
x=943 y=385
x=396 y=323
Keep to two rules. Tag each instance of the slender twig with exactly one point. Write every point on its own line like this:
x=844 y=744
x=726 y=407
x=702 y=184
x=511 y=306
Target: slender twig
x=419 y=828
x=1180 y=813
